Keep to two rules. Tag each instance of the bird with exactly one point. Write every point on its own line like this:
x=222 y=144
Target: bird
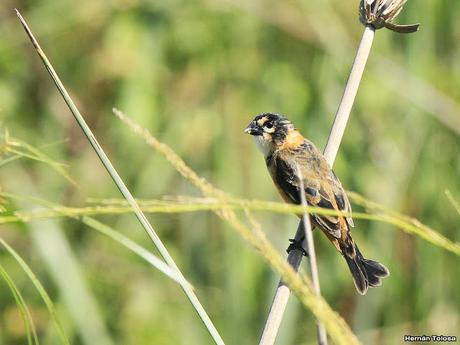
x=295 y=162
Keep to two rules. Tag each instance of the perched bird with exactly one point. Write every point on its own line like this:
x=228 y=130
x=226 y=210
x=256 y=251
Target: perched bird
x=287 y=155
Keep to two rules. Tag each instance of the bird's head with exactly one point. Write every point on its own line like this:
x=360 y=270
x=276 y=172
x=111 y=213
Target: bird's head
x=270 y=131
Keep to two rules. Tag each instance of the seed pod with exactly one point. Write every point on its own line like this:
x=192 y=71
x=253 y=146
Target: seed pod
x=380 y=13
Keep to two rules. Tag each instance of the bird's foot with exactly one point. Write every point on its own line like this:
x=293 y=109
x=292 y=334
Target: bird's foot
x=297 y=245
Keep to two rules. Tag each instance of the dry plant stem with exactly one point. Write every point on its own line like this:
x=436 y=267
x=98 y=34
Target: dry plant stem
x=335 y=137
x=122 y=187
x=351 y=89
x=281 y=298
x=279 y=303
x=322 y=336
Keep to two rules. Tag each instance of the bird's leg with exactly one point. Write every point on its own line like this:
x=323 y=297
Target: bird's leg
x=297 y=244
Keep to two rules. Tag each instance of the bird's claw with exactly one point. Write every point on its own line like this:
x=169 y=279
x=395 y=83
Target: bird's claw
x=296 y=245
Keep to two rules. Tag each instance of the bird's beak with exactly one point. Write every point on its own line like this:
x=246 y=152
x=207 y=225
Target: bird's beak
x=253 y=129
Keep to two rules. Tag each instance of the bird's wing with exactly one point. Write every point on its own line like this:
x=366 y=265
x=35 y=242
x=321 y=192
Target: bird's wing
x=346 y=204
x=322 y=188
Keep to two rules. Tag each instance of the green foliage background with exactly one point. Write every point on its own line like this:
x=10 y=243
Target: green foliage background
x=195 y=73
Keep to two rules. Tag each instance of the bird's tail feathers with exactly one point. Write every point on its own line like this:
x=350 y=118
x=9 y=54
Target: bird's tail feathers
x=366 y=273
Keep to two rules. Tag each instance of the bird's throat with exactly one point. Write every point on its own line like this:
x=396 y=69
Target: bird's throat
x=263 y=145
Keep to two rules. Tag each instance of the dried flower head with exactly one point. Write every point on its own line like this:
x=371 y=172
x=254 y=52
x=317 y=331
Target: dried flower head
x=380 y=13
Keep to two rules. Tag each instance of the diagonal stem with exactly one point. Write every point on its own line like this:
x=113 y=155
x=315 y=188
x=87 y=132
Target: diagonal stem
x=122 y=187
x=308 y=233
x=335 y=137
x=348 y=98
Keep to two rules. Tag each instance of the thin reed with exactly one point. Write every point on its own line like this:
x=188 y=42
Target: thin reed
x=123 y=189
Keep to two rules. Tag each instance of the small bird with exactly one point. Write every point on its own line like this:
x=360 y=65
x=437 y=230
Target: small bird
x=287 y=155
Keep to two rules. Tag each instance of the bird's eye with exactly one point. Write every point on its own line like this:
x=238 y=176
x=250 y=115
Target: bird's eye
x=269 y=125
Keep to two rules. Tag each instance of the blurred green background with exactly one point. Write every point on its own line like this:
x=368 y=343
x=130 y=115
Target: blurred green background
x=195 y=73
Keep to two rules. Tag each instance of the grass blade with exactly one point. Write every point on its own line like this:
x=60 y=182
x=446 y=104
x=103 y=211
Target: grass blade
x=122 y=187
x=100 y=227
x=21 y=149
x=117 y=206
x=22 y=306
x=41 y=290
x=452 y=200
x=134 y=247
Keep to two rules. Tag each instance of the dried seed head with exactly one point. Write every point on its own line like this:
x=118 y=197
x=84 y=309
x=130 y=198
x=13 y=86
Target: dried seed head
x=380 y=13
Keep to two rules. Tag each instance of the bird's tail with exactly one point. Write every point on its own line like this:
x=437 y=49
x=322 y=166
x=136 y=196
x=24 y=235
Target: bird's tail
x=365 y=272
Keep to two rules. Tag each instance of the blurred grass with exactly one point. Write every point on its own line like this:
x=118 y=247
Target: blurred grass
x=453 y=201
x=43 y=294
x=194 y=73
x=56 y=211
x=30 y=331
x=16 y=149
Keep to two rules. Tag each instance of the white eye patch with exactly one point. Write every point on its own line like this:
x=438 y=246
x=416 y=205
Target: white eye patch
x=269 y=130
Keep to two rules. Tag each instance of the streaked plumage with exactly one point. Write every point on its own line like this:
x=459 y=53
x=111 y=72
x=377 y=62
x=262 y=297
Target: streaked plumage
x=286 y=153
